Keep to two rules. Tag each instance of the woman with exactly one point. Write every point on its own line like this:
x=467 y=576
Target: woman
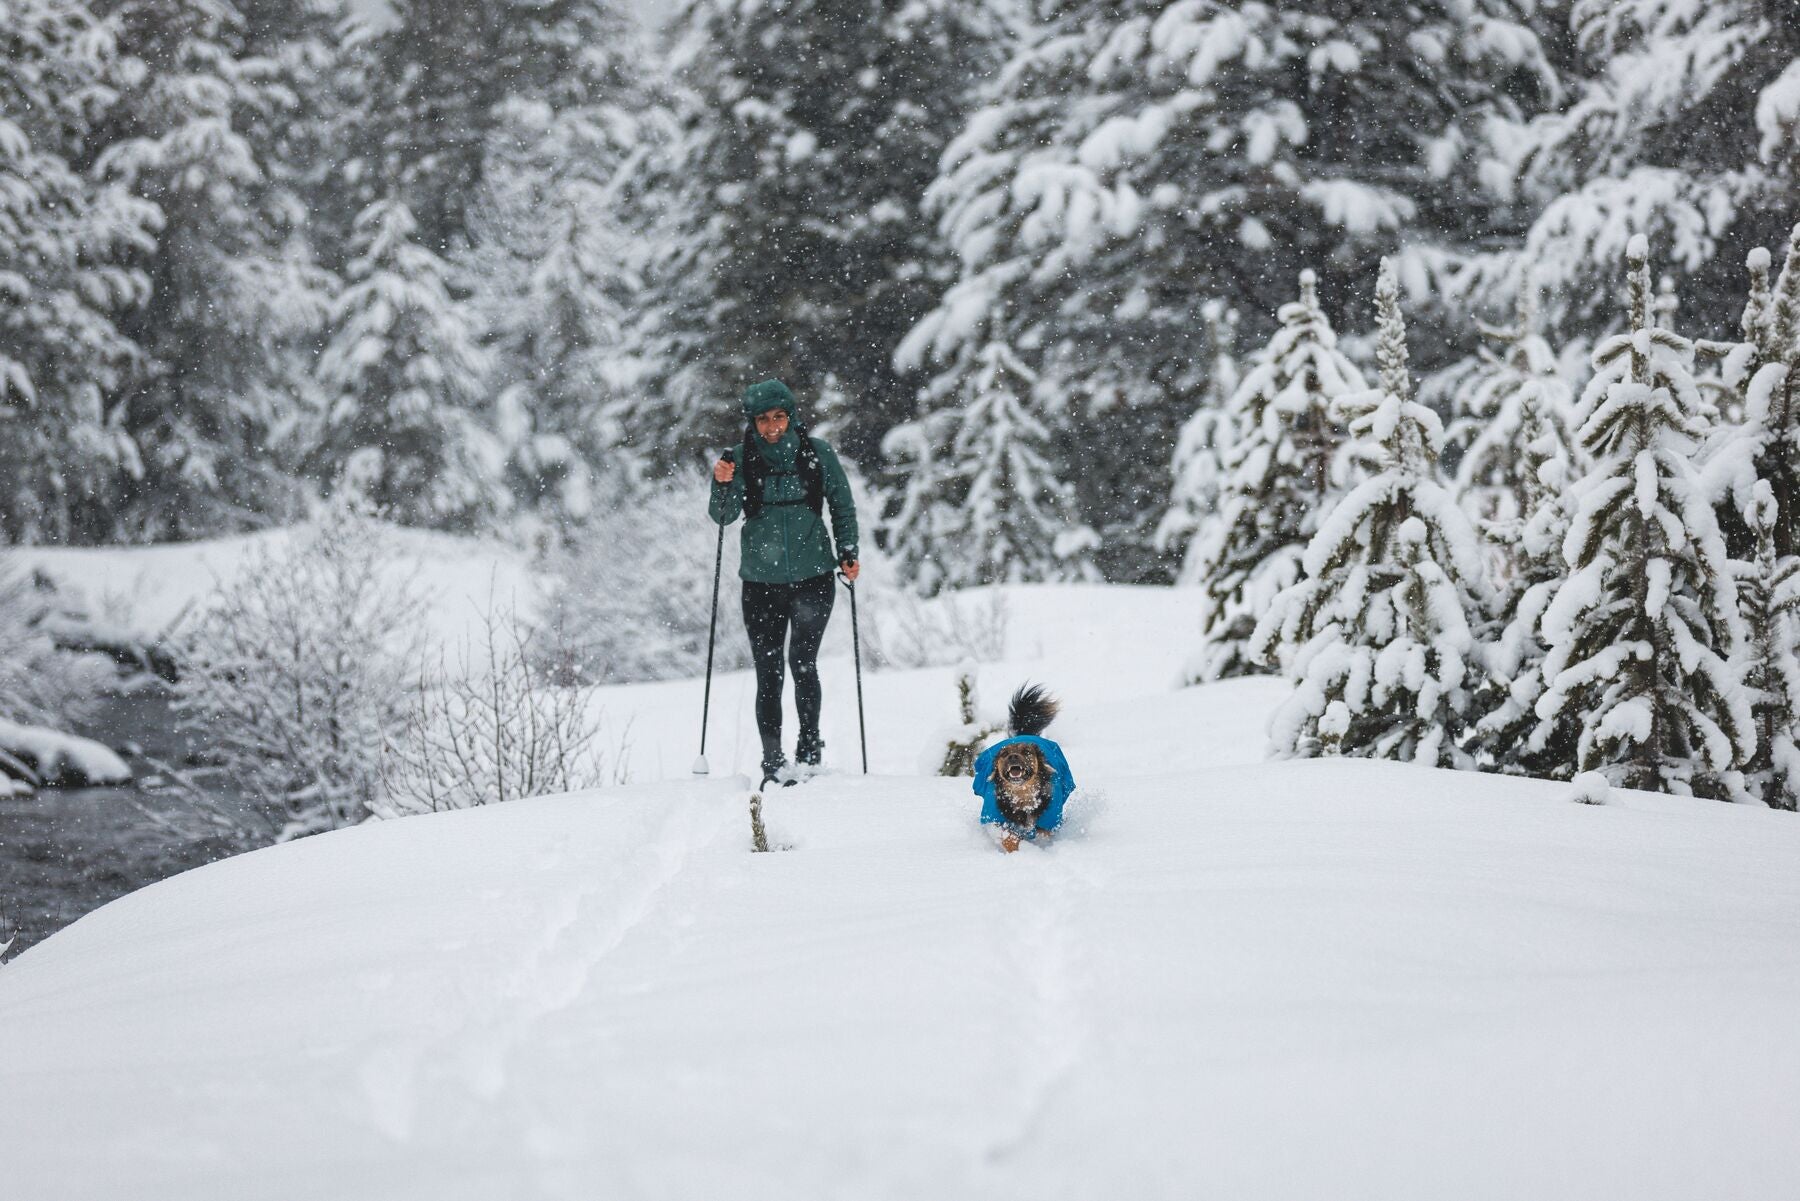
x=781 y=479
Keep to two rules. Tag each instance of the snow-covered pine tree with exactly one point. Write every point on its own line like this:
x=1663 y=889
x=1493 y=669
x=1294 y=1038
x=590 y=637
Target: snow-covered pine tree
x=1643 y=632
x=554 y=268
x=915 y=504
x=1488 y=417
x=1278 y=475
x=1761 y=375
x=1198 y=466
x=1508 y=736
x=404 y=378
x=64 y=277
x=995 y=508
x=797 y=247
x=1768 y=595
x=1380 y=630
x=230 y=279
x=1138 y=159
x=1679 y=123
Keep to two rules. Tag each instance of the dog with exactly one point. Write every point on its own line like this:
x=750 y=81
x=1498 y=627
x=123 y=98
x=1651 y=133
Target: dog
x=1025 y=778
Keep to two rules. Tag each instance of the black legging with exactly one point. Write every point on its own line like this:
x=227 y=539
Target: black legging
x=769 y=609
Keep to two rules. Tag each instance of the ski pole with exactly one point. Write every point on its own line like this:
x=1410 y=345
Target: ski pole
x=712 y=635
x=862 y=726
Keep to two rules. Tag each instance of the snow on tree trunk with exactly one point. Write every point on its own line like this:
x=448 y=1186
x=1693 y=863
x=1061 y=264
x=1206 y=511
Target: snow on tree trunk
x=1642 y=632
x=1379 y=630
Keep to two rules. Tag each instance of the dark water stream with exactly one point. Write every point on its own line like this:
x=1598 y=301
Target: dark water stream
x=66 y=852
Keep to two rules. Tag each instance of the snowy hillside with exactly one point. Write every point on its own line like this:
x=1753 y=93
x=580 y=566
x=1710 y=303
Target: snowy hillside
x=1231 y=979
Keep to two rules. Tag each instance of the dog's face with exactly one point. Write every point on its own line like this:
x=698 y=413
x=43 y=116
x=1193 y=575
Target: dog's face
x=1021 y=781
x=1019 y=766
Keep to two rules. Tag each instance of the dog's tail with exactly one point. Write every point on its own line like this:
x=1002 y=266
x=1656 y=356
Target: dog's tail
x=1032 y=710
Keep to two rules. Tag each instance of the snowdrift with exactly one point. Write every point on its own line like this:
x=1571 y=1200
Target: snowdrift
x=1327 y=979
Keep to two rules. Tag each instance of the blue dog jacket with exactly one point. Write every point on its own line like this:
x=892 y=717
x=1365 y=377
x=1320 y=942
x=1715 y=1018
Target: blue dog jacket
x=1061 y=782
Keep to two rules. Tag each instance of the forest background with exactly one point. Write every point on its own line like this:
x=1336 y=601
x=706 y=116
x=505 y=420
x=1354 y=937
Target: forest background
x=504 y=265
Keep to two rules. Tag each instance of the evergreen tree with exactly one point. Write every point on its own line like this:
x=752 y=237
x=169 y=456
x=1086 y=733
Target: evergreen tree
x=1768 y=594
x=1679 y=123
x=1489 y=423
x=1198 y=466
x=227 y=276
x=405 y=381
x=1137 y=159
x=1379 y=630
x=999 y=512
x=64 y=279
x=435 y=78
x=1642 y=633
x=1278 y=474
x=797 y=248
x=1508 y=737
x=1761 y=376
x=554 y=268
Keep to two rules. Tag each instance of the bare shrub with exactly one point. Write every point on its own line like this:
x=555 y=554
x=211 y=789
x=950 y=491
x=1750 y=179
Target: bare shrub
x=952 y=627
x=293 y=675
x=492 y=726
x=634 y=595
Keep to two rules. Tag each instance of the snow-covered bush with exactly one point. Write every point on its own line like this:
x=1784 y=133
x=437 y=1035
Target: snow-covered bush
x=296 y=672
x=489 y=726
x=40 y=684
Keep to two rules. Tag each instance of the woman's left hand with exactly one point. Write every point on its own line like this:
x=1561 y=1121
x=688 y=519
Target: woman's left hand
x=851 y=569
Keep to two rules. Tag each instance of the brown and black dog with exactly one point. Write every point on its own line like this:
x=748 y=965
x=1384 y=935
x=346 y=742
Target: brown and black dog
x=1022 y=779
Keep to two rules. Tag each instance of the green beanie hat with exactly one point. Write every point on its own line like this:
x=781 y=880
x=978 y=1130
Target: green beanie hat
x=769 y=394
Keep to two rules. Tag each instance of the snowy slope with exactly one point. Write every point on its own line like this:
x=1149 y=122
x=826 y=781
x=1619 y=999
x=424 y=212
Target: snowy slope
x=1232 y=979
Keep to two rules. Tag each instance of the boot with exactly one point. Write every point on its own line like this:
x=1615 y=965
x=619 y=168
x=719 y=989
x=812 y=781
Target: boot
x=774 y=767
x=809 y=750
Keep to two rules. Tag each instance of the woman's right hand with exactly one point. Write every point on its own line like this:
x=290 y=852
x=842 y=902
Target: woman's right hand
x=723 y=470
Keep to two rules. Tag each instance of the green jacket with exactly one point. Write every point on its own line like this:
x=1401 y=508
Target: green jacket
x=788 y=542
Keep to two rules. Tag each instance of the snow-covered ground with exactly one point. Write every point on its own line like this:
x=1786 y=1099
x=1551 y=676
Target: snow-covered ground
x=1230 y=979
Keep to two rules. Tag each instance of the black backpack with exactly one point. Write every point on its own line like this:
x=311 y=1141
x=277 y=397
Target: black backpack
x=757 y=469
